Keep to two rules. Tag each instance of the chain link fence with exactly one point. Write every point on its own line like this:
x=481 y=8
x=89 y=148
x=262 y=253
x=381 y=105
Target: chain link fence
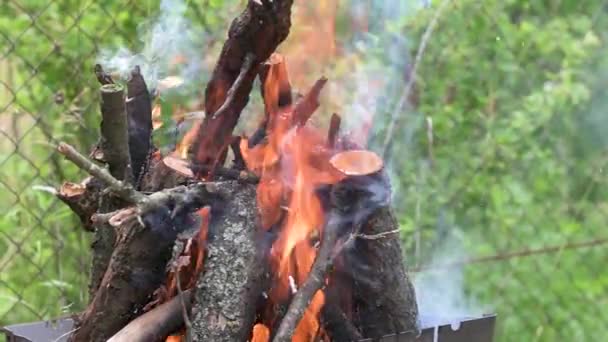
x=498 y=167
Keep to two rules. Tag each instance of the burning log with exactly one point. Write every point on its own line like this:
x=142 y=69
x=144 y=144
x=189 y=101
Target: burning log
x=113 y=149
x=349 y=207
x=254 y=35
x=275 y=85
x=307 y=105
x=143 y=248
x=235 y=273
x=316 y=277
x=339 y=327
x=114 y=132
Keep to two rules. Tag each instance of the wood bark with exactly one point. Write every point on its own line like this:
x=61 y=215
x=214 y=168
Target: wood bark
x=235 y=271
x=384 y=300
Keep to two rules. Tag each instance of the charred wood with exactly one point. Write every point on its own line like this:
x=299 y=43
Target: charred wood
x=114 y=132
x=254 y=34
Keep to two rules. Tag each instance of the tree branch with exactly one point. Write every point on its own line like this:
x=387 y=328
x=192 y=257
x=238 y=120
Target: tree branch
x=115 y=132
x=121 y=189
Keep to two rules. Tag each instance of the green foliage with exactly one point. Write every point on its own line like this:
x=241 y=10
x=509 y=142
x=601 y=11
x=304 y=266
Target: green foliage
x=508 y=86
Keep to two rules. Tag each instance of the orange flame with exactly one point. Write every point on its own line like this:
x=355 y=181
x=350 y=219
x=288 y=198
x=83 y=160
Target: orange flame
x=292 y=164
x=261 y=333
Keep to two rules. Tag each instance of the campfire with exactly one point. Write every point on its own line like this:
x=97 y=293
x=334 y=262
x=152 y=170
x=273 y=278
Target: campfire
x=282 y=234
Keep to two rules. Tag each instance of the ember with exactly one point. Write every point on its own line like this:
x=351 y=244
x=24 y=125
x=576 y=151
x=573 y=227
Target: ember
x=307 y=254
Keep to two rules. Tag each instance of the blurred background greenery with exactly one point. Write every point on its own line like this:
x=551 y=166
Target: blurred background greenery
x=497 y=161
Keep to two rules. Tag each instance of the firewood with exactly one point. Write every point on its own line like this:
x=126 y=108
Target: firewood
x=157 y=323
x=143 y=248
x=139 y=113
x=275 y=89
x=102 y=76
x=384 y=301
x=113 y=149
x=338 y=326
x=235 y=273
x=334 y=129
x=307 y=105
x=114 y=132
x=257 y=32
x=357 y=163
x=274 y=84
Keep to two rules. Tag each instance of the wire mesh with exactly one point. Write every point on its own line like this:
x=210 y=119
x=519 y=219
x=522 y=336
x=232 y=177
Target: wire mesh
x=500 y=192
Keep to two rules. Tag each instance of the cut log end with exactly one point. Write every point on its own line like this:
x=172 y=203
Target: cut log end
x=357 y=163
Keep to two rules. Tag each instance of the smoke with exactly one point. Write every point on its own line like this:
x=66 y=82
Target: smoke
x=440 y=290
x=172 y=46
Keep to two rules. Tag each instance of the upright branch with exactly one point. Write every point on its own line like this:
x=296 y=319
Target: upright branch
x=307 y=105
x=254 y=35
x=139 y=113
x=102 y=76
x=275 y=89
x=114 y=132
x=274 y=84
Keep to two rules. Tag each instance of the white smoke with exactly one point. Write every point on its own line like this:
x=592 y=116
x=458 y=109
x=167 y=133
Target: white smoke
x=440 y=290
x=172 y=46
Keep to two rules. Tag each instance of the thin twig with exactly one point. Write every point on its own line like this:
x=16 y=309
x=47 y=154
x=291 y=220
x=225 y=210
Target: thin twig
x=412 y=78
x=125 y=191
x=187 y=322
x=245 y=69
x=376 y=236
x=65 y=334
